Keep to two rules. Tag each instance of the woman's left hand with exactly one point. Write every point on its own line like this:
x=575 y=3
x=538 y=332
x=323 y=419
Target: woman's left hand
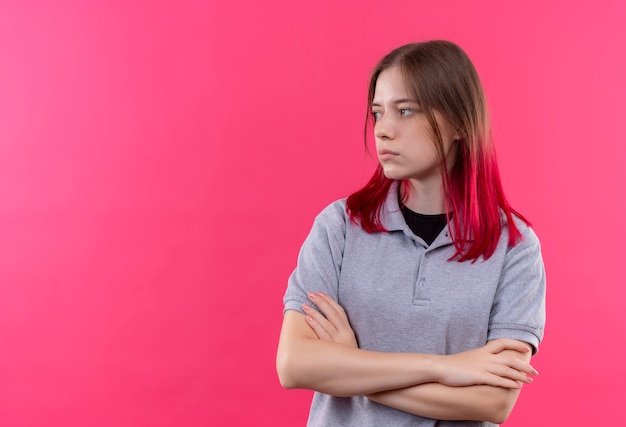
x=335 y=326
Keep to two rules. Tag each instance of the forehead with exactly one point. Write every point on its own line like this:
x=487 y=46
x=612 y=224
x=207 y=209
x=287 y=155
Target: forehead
x=390 y=85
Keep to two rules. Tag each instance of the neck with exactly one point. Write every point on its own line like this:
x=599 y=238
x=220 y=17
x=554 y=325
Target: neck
x=425 y=198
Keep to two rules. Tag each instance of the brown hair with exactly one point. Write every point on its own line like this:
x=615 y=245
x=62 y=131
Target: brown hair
x=442 y=79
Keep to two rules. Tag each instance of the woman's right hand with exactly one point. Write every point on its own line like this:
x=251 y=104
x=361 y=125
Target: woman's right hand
x=491 y=365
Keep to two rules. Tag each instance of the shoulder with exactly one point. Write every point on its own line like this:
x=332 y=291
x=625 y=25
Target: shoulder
x=334 y=214
x=527 y=236
x=331 y=222
x=526 y=245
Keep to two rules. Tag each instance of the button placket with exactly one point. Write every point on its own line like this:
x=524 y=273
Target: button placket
x=421 y=288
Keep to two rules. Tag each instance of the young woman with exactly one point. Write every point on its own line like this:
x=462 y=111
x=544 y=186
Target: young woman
x=418 y=300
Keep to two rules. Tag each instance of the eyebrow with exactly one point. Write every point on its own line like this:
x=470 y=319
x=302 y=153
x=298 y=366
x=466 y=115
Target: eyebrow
x=398 y=101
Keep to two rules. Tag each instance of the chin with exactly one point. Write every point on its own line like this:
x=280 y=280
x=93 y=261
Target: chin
x=391 y=174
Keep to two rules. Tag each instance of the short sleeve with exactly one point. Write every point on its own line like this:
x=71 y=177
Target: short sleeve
x=518 y=311
x=319 y=261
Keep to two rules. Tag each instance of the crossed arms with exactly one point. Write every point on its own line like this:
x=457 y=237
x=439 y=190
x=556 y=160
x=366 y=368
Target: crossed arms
x=320 y=352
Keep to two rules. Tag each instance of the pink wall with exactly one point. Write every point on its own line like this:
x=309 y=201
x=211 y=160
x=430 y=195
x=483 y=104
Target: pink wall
x=161 y=163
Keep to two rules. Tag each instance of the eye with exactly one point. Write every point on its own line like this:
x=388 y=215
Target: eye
x=376 y=115
x=406 y=111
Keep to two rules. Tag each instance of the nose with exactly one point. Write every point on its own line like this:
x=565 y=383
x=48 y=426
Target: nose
x=383 y=128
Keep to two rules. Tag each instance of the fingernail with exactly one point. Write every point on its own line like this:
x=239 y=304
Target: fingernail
x=311 y=295
x=535 y=372
x=306 y=307
x=320 y=294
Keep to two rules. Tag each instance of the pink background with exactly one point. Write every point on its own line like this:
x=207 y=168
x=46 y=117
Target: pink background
x=162 y=161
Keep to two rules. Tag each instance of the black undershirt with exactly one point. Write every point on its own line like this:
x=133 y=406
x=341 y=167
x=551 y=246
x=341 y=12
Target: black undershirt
x=427 y=227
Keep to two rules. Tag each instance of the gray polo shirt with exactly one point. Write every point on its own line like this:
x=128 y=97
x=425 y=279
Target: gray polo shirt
x=404 y=296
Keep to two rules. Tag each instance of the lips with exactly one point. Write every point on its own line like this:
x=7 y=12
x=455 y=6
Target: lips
x=386 y=154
